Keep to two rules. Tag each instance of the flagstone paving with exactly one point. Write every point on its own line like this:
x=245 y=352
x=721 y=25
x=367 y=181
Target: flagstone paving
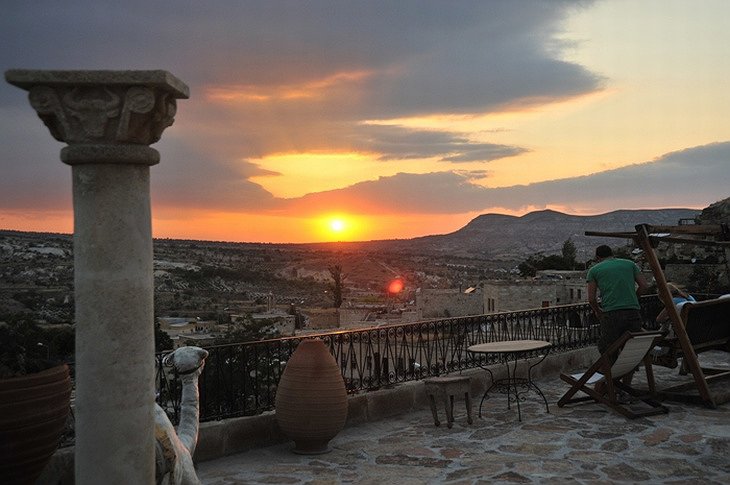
x=585 y=443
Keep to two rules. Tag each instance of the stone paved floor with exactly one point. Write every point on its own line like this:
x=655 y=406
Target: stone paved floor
x=586 y=443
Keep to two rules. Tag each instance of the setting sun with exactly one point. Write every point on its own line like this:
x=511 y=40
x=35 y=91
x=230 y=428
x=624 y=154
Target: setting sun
x=337 y=225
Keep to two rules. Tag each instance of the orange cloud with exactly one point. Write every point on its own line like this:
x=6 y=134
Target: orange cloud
x=254 y=93
x=38 y=221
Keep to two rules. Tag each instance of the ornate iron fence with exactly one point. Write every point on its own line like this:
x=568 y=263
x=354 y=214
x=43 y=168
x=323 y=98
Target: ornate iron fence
x=241 y=379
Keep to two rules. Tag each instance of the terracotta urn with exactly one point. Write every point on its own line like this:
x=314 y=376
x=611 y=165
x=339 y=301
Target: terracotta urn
x=311 y=399
x=33 y=412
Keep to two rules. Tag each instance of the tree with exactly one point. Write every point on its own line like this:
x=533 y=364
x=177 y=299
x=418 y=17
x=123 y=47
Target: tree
x=569 y=253
x=704 y=279
x=338 y=278
x=527 y=268
x=249 y=330
x=23 y=350
x=539 y=262
x=162 y=340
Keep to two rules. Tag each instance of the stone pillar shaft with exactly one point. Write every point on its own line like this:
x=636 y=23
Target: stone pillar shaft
x=108 y=118
x=113 y=280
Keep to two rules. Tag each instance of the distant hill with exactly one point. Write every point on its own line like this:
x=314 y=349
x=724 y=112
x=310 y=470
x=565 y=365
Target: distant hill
x=500 y=237
x=503 y=237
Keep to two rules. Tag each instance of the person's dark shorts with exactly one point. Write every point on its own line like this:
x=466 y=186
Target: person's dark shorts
x=615 y=323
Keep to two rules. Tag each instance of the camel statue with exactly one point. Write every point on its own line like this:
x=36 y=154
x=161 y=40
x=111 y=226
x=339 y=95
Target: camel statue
x=174 y=449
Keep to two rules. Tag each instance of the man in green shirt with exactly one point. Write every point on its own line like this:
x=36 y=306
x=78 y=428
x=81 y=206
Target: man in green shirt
x=619 y=282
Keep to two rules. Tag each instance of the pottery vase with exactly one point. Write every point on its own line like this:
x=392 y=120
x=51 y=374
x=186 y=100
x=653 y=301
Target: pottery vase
x=311 y=399
x=33 y=413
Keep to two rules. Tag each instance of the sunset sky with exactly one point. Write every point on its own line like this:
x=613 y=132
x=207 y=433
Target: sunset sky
x=336 y=120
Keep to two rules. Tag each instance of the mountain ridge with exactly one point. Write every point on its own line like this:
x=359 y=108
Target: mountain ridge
x=502 y=236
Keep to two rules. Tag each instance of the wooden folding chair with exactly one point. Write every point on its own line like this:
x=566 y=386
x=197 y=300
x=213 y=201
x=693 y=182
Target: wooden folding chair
x=629 y=351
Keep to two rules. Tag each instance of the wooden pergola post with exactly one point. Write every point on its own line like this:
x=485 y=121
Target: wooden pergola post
x=644 y=240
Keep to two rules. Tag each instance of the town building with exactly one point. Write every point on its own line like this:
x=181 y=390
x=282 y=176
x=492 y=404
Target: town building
x=548 y=288
x=439 y=303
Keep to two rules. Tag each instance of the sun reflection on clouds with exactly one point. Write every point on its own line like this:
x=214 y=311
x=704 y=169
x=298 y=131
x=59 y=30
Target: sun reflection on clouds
x=255 y=93
x=305 y=173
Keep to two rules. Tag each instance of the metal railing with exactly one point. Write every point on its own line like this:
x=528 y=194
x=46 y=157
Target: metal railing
x=241 y=379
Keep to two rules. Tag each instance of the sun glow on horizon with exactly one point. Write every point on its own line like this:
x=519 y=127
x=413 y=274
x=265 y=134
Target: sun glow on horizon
x=337 y=225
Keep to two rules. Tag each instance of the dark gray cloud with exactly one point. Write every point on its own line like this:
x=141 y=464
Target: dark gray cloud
x=273 y=42
x=693 y=177
x=394 y=143
x=188 y=177
x=32 y=175
x=380 y=60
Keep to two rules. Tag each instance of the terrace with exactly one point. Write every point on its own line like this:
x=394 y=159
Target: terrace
x=390 y=431
x=391 y=436
x=582 y=444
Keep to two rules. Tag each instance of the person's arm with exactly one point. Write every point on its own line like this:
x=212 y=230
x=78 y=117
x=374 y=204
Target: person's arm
x=593 y=298
x=642 y=285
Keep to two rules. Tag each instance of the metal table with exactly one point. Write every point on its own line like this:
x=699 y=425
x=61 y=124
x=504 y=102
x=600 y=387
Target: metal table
x=510 y=352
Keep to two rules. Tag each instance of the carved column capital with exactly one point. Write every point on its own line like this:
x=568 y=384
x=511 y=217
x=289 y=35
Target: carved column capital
x=102 y=107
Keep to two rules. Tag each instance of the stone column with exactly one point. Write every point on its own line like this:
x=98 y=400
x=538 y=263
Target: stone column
x=108 y=119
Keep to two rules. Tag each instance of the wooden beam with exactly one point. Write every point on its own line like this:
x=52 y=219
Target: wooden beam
x=696 y=242
x=700 y=230
x=626 y=235
x=654 y=230
x=690 y=357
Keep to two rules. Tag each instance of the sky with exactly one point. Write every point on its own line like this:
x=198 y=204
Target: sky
x=341 y=120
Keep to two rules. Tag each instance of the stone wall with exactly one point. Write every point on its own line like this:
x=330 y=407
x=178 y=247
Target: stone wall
x=519 y=295
x=431 y=303
x=548 y=290
x=353 y=316
x=322 y=318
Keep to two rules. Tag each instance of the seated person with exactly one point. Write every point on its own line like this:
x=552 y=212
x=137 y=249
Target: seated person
x=679 y=298
x=663 y=355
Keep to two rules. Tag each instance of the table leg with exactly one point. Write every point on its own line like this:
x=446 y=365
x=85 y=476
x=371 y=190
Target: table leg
x=533 y=385
x=486 y=393
x=433 y=410
x=468 y=408
x=513 y=380
x=449 y=402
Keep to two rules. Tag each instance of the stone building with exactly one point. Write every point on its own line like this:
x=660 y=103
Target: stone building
x=280 y=321
x=548 y=288
x=437 y=303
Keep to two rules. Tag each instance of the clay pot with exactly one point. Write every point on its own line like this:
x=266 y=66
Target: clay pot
x=33 y=412
x=311 y=400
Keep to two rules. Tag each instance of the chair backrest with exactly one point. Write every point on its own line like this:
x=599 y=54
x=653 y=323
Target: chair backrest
x=707 y=321
x=632 y=354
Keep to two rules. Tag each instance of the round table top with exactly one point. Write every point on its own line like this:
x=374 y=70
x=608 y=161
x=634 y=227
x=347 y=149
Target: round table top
x=510 y=346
